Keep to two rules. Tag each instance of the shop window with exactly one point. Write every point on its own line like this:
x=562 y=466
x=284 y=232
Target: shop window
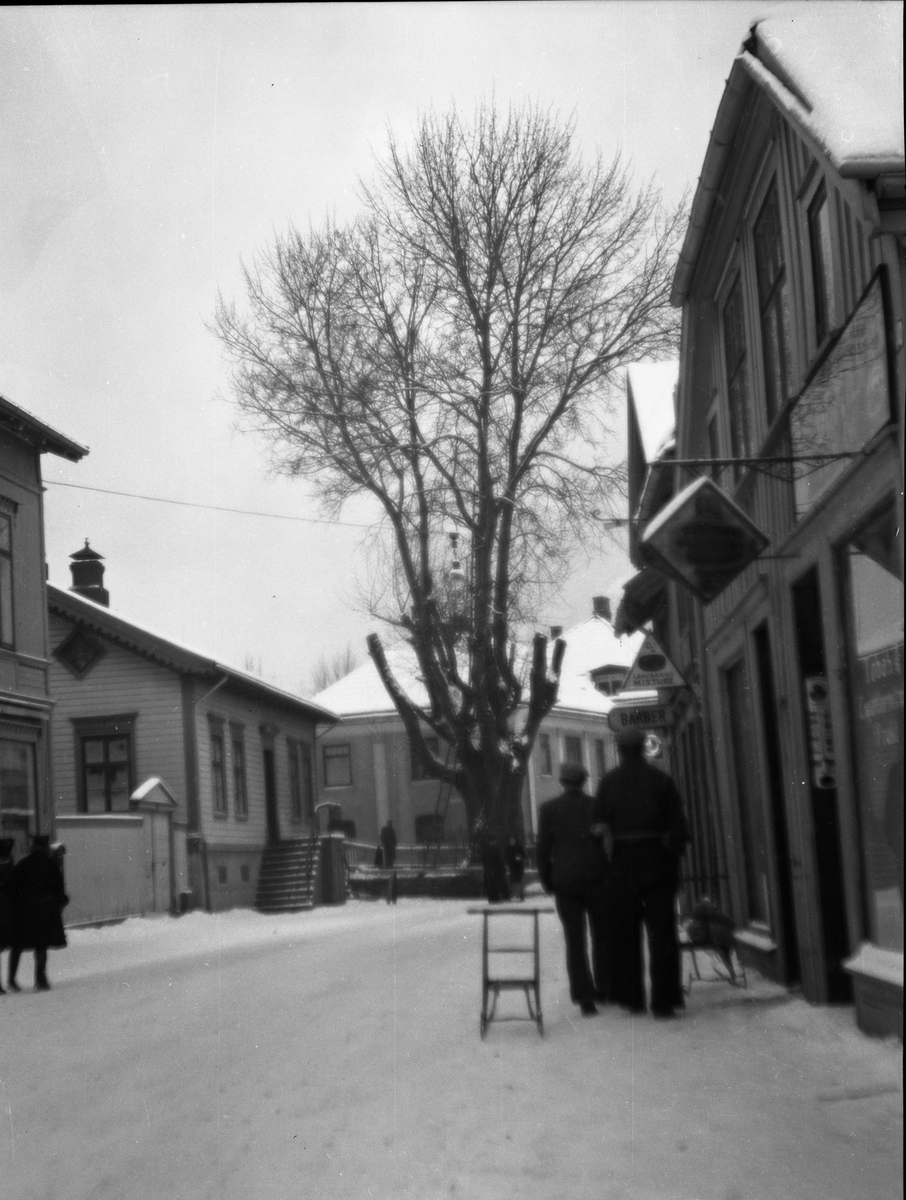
x=417 y=771
x=544 y=753
x=337 y=765
x=240 y=781
x=773 y=302
x=218 y=768
x=874 y=601
x=746 y=774
x=18 y=778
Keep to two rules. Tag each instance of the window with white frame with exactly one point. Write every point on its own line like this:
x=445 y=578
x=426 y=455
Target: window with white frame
x=337 y=765
x=736 y=364
x=821 y=253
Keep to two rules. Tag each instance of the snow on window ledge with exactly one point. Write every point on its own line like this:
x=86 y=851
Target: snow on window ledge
x=872 y=961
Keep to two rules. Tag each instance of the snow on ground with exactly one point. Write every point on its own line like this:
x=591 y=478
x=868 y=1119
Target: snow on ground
x=336 y=1054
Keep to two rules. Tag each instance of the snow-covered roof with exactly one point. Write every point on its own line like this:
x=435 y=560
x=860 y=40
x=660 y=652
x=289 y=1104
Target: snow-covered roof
x=652 y=387
x=833 y=69
x=591 y=645
x=46 y=439
x=837 y=70
x=176 y=656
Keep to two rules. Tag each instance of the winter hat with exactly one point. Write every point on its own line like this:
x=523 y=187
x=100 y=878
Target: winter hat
x=573 y=773
x=630 y=739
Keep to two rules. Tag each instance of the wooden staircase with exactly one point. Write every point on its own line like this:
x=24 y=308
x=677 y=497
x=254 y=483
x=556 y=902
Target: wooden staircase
x=288 y=877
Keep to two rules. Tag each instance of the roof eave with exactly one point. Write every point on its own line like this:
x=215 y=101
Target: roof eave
x=45 y=439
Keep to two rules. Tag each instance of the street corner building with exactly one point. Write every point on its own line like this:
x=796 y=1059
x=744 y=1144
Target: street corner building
x=178 y=781
x=25 y=694
x=767 y=505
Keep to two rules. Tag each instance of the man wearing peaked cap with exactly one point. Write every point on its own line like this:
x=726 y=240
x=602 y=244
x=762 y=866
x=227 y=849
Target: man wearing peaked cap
x=645 y=833
x=571 y=864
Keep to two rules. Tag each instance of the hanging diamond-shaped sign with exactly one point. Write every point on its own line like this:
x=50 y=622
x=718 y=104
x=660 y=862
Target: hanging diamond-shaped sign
x=703 y=539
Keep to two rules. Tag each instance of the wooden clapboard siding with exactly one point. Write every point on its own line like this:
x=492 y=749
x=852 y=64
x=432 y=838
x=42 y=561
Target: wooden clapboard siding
x=22 y=487
x=233 y=709
x=121 y=681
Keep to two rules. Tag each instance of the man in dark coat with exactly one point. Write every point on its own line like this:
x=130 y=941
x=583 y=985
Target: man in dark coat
x=38 y=899
x=571 y=864
x=388 y=845
x=645 y=833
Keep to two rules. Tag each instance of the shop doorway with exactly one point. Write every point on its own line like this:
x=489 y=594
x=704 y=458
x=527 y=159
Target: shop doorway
x=819 y=736
x=776 y=801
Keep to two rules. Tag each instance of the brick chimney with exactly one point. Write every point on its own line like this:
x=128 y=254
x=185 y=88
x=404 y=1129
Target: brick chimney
x=600 y=607
x=88 y=575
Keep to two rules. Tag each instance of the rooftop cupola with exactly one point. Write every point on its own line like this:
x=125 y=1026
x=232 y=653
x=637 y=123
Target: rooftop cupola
x=87 y=568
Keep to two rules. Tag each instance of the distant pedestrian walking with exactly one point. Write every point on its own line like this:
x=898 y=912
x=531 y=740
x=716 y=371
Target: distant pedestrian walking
x=38 y=900
x=645 y=831
x=572 y=865
x=7 y=862
x=514 y=856
x=388 y=845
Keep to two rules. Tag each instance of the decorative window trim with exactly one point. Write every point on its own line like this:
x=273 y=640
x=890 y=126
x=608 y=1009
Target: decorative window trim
x=111 y=725
x=9 y=506
x=216 y=728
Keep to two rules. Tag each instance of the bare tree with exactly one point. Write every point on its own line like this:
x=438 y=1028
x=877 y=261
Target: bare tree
x=450 y=355
x=331 y=667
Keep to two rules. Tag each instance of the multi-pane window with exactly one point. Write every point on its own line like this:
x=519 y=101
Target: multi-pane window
x=544 y=752
x=773 y=302
x=337 y=765
x=6 y=581
x=308 y=788
x=18 y=777
x=737 y=372
x=821 y=249
x=240 y=784
x=416 y=766
x=106 y=773
x=572 y=750
x=218 y=771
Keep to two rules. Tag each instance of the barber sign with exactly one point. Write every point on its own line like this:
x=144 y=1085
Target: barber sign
x=644 y=717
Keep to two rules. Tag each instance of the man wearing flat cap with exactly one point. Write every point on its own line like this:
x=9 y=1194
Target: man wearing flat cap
x=644 y=828
x=571 y=864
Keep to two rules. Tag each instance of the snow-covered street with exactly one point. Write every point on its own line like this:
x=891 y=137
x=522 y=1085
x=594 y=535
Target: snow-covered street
x=336 y=1054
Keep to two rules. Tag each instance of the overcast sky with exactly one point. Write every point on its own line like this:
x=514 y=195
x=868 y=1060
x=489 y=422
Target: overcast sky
x=144 y=151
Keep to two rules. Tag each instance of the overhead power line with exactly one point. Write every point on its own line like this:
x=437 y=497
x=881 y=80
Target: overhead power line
x=240 y=512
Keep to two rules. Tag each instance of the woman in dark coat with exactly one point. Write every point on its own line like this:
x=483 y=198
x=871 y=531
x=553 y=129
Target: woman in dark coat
x=6 y=904
x=38 y=901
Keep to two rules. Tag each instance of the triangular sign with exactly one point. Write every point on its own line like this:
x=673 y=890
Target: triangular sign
x=652 y=669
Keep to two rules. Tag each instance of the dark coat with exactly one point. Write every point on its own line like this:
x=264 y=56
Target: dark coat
x=570 y=857
x=388 y=844
x=6 y=904
x=514 y=856
x=38 y=900
x=636 y=800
